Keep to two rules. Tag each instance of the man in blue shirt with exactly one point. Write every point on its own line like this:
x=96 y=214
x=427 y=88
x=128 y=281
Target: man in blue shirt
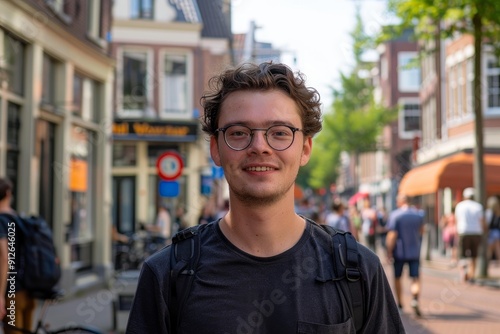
x=404 y=240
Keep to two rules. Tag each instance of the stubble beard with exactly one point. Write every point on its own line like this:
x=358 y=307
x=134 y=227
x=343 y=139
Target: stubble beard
x=256 y=198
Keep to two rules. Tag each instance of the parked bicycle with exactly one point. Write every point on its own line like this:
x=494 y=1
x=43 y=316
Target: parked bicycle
x=131 y=255
x=43 y=328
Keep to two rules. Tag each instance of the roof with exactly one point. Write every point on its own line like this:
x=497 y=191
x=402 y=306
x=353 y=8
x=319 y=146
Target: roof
x=187 y=11
x=216 y=18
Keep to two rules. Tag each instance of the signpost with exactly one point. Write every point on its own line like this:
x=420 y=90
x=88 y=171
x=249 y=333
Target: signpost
x=169 y=166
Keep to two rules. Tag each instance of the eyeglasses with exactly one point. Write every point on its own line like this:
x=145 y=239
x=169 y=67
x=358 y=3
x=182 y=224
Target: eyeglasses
x=239 y=137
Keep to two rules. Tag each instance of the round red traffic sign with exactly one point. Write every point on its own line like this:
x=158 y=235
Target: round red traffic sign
x=169 y=166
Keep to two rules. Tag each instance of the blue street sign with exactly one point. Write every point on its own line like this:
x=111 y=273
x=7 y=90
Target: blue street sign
x=217 y=172
x=206 y=185
x=168 y=188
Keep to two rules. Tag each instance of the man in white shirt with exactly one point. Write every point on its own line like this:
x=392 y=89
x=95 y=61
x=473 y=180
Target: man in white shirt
x=470 y=227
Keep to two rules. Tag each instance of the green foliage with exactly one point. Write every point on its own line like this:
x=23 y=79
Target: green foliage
x=355 y=121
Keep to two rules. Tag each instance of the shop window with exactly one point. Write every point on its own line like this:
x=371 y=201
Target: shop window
x=175 y=86
x=45 y=151
x=12 y=63
x=142 y=9
x=124 y=204
x=124 y=155
x=82 y=189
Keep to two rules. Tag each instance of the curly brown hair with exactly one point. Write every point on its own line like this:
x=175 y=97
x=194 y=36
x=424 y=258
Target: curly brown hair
x=264 y=77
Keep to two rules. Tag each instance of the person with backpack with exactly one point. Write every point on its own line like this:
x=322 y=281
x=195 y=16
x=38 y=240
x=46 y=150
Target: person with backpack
x=262 y=268
x=17 y=306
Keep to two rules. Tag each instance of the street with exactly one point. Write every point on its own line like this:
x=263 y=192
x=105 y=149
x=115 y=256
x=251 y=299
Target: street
x=450 y=306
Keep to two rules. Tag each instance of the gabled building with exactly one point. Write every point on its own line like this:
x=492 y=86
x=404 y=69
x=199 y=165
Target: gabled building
x=444 y=159
x=396 y=79
x=165 y=52
x=56 y=80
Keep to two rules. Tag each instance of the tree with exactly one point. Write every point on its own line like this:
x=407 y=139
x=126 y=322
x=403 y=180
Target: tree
x=355 y=121
x=481 y=19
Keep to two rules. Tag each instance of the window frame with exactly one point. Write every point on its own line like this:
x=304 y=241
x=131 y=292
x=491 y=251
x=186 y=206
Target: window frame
x=188 y=112
x=402 y=115
x=402 y=72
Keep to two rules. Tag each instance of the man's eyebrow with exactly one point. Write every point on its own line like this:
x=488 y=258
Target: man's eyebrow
x=267 y=124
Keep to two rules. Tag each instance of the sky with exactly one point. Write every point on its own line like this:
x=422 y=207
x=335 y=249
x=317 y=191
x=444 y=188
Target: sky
x=315 y=32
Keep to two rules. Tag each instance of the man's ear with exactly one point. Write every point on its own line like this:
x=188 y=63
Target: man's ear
x=306 y=151
x=214 y=150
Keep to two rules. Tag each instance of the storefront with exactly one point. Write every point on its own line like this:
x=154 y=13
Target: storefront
x=137 y=145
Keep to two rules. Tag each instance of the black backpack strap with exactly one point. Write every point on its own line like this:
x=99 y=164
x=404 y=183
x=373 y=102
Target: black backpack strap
x=184 y=256
x=345 y=255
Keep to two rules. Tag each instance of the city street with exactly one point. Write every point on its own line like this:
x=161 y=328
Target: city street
x=447 y=305
x=450 y=306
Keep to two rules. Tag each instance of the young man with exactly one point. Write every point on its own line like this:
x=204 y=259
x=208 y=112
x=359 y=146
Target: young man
x=404 y=240
x=24 y=304
x=262 y=266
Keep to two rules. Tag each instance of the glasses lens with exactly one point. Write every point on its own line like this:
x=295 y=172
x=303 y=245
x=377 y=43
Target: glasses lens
x=280 y=137
x=238 y=137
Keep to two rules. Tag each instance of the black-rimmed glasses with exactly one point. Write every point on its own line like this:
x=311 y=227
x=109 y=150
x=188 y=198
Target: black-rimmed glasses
x=239 y=137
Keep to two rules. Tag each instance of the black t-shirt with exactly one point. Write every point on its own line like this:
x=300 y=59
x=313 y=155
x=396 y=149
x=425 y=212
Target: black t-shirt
x=235 y=292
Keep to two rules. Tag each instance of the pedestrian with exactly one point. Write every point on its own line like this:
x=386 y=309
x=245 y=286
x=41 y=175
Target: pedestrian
x=403 y=242
x=260 y=266
x=369 y=224
x=207 y=214
x=339 y=220
x=470 y=227
x=449 y=228
x=493 y=219
x=24 y=303
x=162 y=228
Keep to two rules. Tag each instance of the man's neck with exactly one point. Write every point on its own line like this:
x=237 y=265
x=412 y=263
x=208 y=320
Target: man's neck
x=264 y=231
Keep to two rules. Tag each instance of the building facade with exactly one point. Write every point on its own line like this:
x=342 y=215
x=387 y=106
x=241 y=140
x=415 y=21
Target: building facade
x=56 y=80
x=165 y=52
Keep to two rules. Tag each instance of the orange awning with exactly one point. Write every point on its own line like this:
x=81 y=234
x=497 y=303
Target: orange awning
x=452 y=172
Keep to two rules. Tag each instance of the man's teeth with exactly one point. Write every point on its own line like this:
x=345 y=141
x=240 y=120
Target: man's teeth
x=259 y=169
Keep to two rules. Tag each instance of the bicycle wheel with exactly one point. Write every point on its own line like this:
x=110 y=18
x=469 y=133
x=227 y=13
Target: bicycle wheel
x=76 y=330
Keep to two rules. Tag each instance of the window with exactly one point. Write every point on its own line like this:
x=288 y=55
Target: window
x=82 y=192
x=94 y=18
x=13 y=145
x=134 y=81
x=124 y=154
x=49 y=81
x=493 y=79
x=408 y=72
x=124 y=203
x=175 y=85
x=60 y=8
x=409 y=120
x=77 y=95
x=142 y=9
x=12 y=64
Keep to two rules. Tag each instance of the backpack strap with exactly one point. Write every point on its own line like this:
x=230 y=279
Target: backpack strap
x=184 y=256
x=345 y=255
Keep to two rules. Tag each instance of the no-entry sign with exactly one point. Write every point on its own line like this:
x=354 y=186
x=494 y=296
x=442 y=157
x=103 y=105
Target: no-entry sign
x=169 y=166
